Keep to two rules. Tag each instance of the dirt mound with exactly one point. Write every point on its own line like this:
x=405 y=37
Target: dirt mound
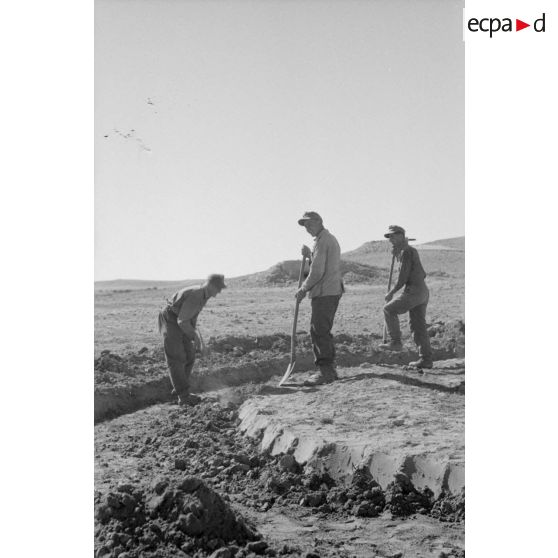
x=283 y=272
x=246 y=343
x=449 y=334
x=109 y=362
x=279 y=484
x=449 y=508
x=191 y=466
x=354 y=272
x=239 y=345
x=403 y=499
x=186 y=515
x=177 y=511
x=109 y=367
x=126 y=505
x=198 y=511
x=287 y=272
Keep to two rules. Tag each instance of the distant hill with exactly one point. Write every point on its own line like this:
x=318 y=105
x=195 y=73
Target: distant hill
x=372 y=247
x=284 y=273
x=456 y=243
x=140 y=284
x=439 y=257
x=369 y=263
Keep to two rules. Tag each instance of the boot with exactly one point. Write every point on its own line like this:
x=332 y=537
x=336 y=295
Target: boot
x=318 y=379
x=328 y=371
x=421 y=363
x=391 y=346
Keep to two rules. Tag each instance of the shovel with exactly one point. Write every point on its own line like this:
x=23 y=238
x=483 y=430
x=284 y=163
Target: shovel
x=291 y=366
x=200 y=345
x=389 y=289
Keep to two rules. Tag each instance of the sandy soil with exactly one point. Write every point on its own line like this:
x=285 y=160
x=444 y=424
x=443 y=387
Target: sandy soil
x=126 y=320
x=147 y=463
x=368 y=419
x=377 y=466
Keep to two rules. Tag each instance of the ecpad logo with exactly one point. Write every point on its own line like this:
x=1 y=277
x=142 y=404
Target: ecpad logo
x=493 y=25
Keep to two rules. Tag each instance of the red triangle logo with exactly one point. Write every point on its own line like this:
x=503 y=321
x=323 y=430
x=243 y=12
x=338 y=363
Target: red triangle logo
x=519 y=25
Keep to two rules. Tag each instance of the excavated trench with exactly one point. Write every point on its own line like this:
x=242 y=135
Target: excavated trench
x=382 y=442
x=134 y=381
x=195 y=482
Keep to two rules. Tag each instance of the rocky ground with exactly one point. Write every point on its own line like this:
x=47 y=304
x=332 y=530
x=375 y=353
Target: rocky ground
x=174 y=481
x=189 y=482
x=210 y=482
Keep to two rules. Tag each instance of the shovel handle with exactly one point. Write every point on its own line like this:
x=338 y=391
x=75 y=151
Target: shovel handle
x=389 y=289
x=391 y=272
x=301 y=272
x=293 y=333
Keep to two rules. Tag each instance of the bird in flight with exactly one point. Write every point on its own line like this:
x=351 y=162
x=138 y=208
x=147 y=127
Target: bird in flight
x=131 y=135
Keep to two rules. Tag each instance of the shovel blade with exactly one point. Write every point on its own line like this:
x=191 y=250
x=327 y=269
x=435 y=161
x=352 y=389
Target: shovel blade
x=289 y=371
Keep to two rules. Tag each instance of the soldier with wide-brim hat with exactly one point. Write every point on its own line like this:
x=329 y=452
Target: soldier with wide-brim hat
x=413 y=299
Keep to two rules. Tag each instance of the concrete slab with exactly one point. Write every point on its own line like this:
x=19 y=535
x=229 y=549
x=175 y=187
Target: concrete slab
x=387 y=419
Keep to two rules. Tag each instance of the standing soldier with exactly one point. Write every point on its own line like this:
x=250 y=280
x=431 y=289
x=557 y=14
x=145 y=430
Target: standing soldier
x=177 y=323
x=413 y=299
x=324 y=287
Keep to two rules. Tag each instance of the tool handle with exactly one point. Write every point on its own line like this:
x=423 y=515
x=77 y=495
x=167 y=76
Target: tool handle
x=391 y=272
x=301 y=272
x=293 y=333
x=389 y=289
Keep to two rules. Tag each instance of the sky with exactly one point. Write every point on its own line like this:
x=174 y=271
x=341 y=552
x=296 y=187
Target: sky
x=218 y=123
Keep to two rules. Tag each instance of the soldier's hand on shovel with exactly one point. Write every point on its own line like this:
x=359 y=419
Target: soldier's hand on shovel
x=201 y=347
x=388 y=297
x=306 y=252
x=300 y=294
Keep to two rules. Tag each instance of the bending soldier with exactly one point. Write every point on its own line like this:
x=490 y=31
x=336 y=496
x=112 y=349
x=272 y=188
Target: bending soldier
x=177 y=323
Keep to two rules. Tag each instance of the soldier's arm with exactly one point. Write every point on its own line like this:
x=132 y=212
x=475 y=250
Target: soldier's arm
x=186 y=316
x=404 y=271
x=317 y=267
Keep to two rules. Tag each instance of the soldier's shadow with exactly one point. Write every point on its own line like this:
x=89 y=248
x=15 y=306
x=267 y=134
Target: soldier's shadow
x=356 y=378
x=286 y=389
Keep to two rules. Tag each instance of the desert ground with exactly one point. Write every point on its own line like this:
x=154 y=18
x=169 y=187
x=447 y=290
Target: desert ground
x=372 y=465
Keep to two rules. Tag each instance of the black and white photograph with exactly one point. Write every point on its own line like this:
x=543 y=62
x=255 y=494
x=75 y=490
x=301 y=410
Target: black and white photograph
x=279 y=279
x=233 y=289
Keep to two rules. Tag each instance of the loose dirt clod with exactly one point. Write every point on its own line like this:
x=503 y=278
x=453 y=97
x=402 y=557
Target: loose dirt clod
x=185 y=514
x=449 y=508
x=403 y=499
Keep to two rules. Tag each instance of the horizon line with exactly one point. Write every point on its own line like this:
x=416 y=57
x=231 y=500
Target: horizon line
x=245 y=274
